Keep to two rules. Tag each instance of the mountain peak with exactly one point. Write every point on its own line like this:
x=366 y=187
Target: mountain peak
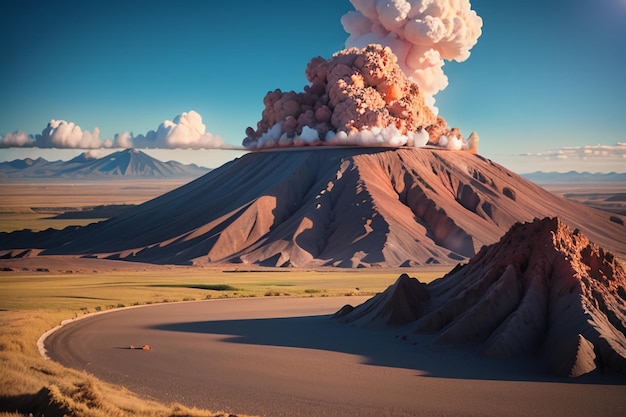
x=401 y=303
x=130 y=151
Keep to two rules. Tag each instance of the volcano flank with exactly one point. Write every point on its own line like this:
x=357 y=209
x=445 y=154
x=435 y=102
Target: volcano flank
x=344 y=207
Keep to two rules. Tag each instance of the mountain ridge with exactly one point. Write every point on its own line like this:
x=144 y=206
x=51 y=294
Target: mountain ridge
x=127 y=163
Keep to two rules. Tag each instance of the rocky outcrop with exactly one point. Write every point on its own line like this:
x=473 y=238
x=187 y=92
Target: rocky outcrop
x=403 y=302
x=543 y=290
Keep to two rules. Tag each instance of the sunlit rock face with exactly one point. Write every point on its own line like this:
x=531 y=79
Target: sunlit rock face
x=544 y=290
x=357 y=97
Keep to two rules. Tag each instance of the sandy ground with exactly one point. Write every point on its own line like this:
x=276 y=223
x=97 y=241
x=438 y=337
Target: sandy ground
x=285 y=357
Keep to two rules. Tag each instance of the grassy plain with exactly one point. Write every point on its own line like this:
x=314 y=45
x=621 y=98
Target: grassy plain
x=41 y=292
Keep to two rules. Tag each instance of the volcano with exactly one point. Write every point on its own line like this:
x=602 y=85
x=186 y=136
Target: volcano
x=543 y=290
x=340 y=206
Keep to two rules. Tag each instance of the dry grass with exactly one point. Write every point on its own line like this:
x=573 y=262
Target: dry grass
x=31 y=384
x=33 y=302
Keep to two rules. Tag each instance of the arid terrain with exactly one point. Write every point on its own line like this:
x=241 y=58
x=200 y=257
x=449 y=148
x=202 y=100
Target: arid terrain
x=338 y=207
x=608 y=196
x=543 y=291
x=36 y=205
x=361 y=256
x=286 y=357
x=37 y=292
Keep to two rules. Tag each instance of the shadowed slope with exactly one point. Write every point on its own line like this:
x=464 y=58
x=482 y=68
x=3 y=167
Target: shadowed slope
x=345 y=207
x=542 y=290
x=403 y=302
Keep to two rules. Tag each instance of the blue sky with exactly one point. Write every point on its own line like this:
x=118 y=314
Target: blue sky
x=546 y=77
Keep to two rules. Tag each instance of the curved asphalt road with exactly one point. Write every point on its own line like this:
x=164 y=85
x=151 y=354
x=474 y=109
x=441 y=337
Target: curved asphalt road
x=285 y=357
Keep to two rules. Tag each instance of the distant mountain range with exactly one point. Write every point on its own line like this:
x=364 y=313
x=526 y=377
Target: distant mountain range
x=130 y=163
x=541 y=177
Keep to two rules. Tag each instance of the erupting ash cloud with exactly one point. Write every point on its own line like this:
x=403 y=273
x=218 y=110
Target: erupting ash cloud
x=422 y=34
x=379 y=91
x=358 y=97
x=186 y=131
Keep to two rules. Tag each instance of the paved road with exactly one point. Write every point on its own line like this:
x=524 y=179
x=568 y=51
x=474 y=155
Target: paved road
x=285 y=357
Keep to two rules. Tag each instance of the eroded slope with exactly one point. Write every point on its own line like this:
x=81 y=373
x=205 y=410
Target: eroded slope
x=345 y=207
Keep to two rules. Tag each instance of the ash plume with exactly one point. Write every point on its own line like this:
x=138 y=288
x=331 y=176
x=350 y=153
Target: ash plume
x=380 y=90
x=357 y=97
x=422 y=34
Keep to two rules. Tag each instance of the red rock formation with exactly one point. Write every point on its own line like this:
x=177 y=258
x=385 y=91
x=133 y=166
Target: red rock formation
x=542 y=290
x=401 y=303
x=355 y=91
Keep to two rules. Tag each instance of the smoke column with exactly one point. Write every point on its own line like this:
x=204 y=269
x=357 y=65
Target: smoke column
x=380 y=90
x=421 y=33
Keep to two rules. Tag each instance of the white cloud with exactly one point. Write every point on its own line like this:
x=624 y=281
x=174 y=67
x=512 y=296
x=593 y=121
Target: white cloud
x=186 y=131
x=590 y=158
x=62 y=134
x=584 y=153
x=16 y=140
x=96 y=153
x=122 y=140
x=387 y=136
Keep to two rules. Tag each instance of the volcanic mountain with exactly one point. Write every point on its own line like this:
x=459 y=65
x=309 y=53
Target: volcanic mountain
x=128 y=163
x=542 y=290
x=316 y=206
